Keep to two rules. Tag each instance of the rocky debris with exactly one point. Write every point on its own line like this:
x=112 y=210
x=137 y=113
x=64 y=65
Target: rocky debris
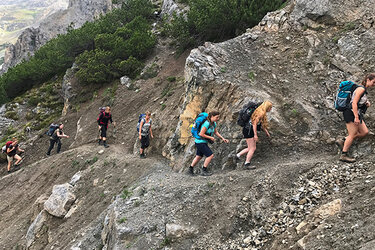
x=126 y=81
x=60 y=201
x=175 y=231
x=75 y=178
x=302 y=210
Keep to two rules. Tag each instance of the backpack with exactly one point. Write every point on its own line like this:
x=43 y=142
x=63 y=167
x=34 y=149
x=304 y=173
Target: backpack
x=344 y=95
x=52 y=128
x=140 y=118
x=196 y=129
x=246 y=112
x=5 y=147
x=101 y=110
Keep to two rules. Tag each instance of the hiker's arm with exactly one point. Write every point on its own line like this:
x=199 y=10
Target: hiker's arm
x=220 y=136
x=140 y=129
x=10 y=149
x=266 y=131
x=202 y=134
x=152 y=136
x=100 y=118
x=255 y=129
x=110 y=119
x=358 y=94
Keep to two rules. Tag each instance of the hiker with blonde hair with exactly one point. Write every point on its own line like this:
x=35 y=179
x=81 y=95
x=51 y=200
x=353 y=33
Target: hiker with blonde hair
x=144 y=133
x=257 y=120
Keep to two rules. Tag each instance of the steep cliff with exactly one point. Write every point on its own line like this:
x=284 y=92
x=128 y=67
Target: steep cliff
x=295 y=57
x=77 y=13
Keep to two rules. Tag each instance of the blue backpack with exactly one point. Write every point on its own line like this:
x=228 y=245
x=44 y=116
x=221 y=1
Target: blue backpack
x=196 y=129
x=344 y=95
x=140 y=118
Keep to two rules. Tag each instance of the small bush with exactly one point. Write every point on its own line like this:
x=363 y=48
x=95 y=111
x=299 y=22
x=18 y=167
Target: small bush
x=126 y=194
x=171 y=78
x=217 y=20
x=12 y=115
x=122 y=220
x=33 y=101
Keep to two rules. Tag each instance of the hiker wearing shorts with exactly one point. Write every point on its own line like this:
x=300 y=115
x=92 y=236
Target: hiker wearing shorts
x=145 y=131
x=208 y=129
x=353 y=117
x=56 y=138
x=257 y=121
x=12 y=155
x=103 y=121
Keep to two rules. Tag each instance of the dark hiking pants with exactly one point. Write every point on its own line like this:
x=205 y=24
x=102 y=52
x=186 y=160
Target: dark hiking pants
x=52 y=144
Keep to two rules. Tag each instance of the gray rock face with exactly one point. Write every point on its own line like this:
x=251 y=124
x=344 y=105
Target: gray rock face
x=269 y=62
x=60 y=201
x=169 y=7
x=330 y=11
x=68 y=88
x=36 y=229
x=77 y=13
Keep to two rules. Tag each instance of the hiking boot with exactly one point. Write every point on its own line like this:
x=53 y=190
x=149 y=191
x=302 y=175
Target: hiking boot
x=248 y=166
x=236 y=158
x=345 y=158
x=142 y=156
x=191 y=171
x=105 y=144
x=340 y=143
x=100 y=142
x=205 y=172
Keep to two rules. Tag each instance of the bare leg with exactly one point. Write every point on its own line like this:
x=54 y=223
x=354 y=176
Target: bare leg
x=9 y=164
x=244 y=151
x=208 y=160
x=251 y=145
x=196 y=160
x=18 y=158
x=353 y=130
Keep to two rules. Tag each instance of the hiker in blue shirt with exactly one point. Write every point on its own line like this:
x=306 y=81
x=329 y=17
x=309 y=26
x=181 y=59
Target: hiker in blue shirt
x=208 y=129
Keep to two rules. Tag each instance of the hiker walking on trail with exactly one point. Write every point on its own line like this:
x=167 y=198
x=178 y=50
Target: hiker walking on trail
x=12 y=149
x=353 y=116
x=253 y=118
x=56 y=138
x=144 y=132
x=103 y=120
x=206 y=131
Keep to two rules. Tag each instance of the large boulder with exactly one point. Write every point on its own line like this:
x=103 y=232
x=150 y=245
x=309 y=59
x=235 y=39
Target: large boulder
x=60 y=201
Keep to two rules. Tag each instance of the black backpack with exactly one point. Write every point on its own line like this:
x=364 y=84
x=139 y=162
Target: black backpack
x=52 y=128
x=246 y=112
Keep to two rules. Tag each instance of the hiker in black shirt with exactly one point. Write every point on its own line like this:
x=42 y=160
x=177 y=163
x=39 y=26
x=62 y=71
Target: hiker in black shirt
x=11 y=151
x=103 y=120
x=56 y=138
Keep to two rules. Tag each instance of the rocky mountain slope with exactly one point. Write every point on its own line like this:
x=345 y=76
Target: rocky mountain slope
x=76 y=14
x=299 y=197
